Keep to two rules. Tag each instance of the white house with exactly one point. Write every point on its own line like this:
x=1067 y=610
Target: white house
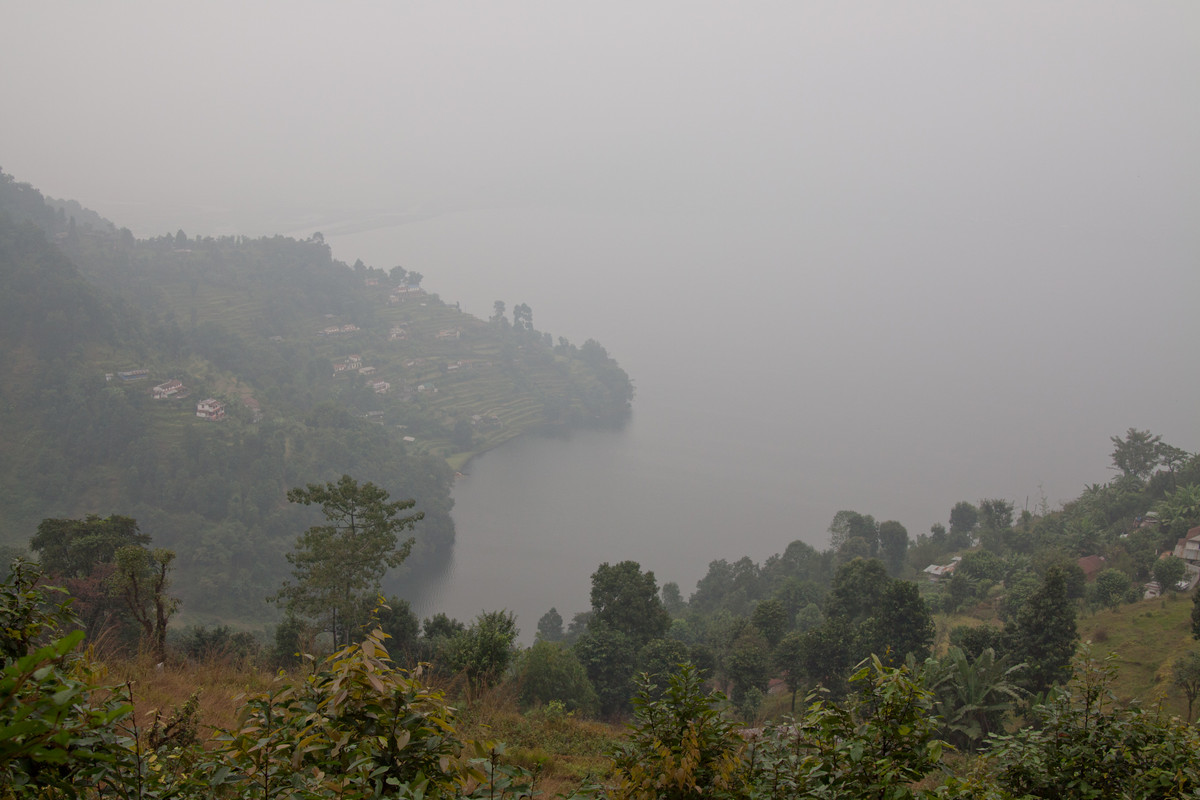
x=210 y=409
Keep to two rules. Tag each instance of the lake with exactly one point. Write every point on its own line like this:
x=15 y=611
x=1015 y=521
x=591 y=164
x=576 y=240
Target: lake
x=784 y=370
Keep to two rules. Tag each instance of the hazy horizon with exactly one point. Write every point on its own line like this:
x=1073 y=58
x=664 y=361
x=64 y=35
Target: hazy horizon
x=907 y=254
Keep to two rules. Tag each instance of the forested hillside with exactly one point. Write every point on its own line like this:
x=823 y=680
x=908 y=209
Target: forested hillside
x=109 y=345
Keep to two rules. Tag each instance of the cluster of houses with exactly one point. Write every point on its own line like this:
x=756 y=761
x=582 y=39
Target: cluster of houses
x=354 y=363
x=401 y=293
x=1187 y=549
x=209 y=408
x=347 y=364
x=337 y=330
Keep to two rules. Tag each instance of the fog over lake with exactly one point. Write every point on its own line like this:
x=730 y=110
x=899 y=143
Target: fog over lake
x=874 y=256
x=782 y=374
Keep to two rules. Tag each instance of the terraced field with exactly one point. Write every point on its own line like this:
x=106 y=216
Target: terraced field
x=455 y=385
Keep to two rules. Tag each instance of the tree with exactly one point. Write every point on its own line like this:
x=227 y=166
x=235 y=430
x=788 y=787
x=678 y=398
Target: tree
x=1186 y=675
x=662 y=657
x=995 y=524
x=1173 y=458
x=1137 y=454
x=608 y=656
x=772 y=620
x=551 y=672
x=498 y=317
x=71 y=548
x=974 y=639
x=963 y=519
x=995 y=514
x=672 y=599
x=550 y=626
x=1169 y=571
x=789 y=660
x=1043 y=634
x=826 y=653
x=893 y=545
x=626 y=599
x=857 y=589
x=81 y=554
x=1111 y=587
x=484 y=650
x=1179 y=511
x=522 y=317
x=849 y=525
x=748 y=667
x=141 y=580
x=900 y=626
x=338 y=566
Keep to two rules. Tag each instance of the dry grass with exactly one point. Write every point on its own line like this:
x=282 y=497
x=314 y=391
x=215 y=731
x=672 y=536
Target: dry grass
x=163 y=690
x=563 y=751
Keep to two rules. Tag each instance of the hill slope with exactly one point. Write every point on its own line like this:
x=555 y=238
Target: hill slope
x=319 y=368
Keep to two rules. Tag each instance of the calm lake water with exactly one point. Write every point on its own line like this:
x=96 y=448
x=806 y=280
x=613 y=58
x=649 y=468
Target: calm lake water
x=783 y=372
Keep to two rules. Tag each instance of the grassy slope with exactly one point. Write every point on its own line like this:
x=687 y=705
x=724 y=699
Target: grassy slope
x=1146 y=638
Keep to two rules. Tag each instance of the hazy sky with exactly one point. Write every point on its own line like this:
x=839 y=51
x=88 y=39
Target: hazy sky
x=984 y=217
x=396 y=105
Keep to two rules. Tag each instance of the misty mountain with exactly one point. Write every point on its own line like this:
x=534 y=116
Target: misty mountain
x=112 y=348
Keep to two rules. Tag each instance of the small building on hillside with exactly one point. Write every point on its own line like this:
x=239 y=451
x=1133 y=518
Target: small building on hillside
x=935 y=572
x=1188 y=548
x=165 y=390
x=210 y=409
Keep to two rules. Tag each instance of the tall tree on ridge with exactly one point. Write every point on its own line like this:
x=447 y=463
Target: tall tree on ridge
x=338 y=566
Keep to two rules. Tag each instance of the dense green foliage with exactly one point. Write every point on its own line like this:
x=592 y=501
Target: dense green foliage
x=1085 y=743
x=356 y=725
